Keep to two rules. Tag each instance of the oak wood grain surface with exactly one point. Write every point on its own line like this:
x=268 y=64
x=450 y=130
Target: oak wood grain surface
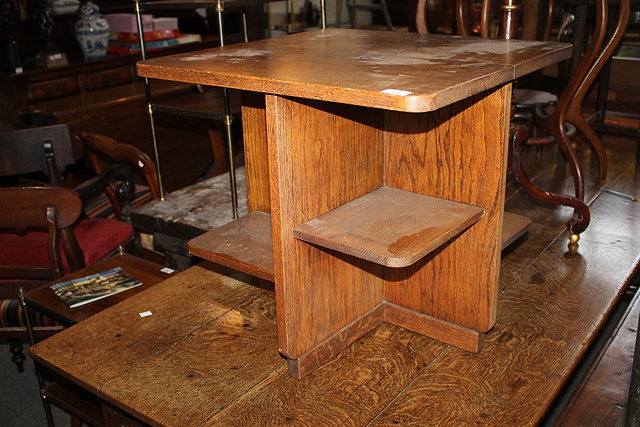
x=601 y=397
x=420 y=157
x=196 y=307
x=356 y=66
x=318 y=291
x=254 y=134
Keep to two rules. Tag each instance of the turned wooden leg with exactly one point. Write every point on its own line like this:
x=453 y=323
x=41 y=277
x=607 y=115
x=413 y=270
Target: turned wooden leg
x=220 y=163
x=581 y=217
x=15 y=347
x=596 y=144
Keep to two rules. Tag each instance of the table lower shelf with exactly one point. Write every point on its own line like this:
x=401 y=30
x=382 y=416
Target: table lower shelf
x=245 y=244
x=76 y=401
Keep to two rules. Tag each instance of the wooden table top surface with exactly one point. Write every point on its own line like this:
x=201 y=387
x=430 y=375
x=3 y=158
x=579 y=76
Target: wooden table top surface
x=389 y=70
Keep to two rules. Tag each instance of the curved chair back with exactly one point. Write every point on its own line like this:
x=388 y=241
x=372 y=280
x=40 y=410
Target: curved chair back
x=101 y=145
x=55 y=209
x=30 y=150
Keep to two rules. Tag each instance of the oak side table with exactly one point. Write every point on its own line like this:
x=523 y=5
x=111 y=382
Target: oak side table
x=376 y=168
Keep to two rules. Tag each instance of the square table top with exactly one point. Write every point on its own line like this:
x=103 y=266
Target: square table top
x=390 y=70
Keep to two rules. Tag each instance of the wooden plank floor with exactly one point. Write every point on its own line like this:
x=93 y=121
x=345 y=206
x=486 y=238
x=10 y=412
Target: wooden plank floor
x=218 y=365
x=601 y=397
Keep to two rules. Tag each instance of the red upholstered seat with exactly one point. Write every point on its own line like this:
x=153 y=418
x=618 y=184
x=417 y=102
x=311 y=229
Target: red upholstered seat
x=97 y=239
x=31 y=259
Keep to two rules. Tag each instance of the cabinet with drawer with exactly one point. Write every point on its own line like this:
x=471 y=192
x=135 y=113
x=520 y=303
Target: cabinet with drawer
x=44 y=84
x=96 y=80
x=49 y=89
x=107 y=97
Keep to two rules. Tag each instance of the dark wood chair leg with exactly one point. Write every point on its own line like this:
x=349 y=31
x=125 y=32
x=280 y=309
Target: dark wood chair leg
x=41 y=382
x=596 y=144
x=17 y=355
x=581 y=217
x=570 y=156
x=387 y=16
x=352 y=13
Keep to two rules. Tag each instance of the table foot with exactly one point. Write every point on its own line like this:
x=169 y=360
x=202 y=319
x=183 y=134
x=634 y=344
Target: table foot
x=325 y=351
x=441 y=330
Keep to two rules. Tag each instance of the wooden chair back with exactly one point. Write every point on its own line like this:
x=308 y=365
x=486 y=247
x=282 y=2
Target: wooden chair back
x=100 y=146
x=45 y=149
x=55 y=209
x=569 y=107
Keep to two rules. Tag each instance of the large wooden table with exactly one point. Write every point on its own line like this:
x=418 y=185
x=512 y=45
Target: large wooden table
x=208 y=354
x=381 y=158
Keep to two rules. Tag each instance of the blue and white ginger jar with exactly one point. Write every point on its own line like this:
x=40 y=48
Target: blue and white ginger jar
x=92 y=32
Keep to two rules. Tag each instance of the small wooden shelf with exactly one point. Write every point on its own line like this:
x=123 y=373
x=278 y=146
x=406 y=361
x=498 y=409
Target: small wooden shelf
x=388 y=226
x=244 y=244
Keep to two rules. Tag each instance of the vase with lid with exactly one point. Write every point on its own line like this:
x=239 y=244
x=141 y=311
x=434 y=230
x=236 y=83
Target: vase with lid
x=92 y=32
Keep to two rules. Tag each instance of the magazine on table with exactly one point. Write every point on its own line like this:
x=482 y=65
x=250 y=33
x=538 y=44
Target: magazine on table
x=77 y=292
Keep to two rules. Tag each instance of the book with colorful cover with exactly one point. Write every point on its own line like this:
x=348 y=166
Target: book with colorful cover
x=77 y=292
x=150 y=45
x=148 y=36
x=116 y=46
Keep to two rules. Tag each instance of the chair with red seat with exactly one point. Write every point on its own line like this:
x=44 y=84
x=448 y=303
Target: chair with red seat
x=47 y=150
x=101 y=152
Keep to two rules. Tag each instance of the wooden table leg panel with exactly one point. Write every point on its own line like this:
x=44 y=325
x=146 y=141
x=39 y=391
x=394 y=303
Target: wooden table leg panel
x=321 y=156
x=456 y=153
x=254 y=129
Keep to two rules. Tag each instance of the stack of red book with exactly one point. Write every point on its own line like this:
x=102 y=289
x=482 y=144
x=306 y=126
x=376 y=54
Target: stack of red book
x=161 y=33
